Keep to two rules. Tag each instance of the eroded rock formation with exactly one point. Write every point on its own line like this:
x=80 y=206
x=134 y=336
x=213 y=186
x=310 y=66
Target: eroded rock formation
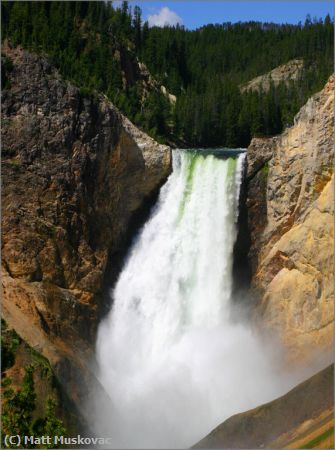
x=290 y=207
x=286 y=72
x=75 y=171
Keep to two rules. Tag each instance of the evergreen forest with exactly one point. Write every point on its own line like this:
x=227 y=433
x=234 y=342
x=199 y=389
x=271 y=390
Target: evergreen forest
x=106 y=48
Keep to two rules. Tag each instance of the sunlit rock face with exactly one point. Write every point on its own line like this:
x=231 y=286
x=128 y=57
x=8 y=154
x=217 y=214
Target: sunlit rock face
x=290 y=206
x=75 y=171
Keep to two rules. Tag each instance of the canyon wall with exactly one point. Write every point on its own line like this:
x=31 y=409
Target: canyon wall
x=290 y=218
x=75 y=173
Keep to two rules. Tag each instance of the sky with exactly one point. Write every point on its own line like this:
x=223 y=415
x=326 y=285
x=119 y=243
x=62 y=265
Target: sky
x=195 y=13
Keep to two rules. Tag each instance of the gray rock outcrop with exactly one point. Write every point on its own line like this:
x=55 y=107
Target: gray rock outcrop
x=284 y=73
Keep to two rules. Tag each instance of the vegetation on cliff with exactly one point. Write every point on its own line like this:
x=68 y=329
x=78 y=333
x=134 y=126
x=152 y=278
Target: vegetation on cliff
x=31 y=396
x=99 y=46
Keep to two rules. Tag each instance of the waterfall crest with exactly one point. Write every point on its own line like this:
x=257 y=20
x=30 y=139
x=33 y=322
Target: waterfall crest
x=169 y=355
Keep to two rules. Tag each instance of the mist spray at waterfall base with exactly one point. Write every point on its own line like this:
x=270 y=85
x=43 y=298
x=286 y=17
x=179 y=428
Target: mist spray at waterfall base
x=171 y=359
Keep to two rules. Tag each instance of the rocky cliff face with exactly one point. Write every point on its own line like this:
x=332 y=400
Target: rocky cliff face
x=75 y=172
x=135 y=71
x=290 y=215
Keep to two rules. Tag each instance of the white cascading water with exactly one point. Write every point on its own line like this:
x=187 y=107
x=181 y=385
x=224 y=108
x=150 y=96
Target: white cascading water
x=171 y=359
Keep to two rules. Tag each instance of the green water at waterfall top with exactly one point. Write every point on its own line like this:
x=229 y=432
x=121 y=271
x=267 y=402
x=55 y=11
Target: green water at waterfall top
x=192 y=160
x=223 y=152
x=195 y=158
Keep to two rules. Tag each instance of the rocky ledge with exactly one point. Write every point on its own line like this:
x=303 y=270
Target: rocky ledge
x=75 y=173
x=290 y=216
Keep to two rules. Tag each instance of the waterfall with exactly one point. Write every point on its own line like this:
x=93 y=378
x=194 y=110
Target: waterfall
x=171 y=359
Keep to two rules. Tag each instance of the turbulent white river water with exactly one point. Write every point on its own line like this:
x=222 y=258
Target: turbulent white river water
x=172 y=360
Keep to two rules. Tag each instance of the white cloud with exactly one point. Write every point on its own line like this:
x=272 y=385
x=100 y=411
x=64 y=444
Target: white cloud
x=164 y=17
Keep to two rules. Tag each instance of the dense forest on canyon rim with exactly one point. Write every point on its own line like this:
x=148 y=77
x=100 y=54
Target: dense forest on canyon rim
x=96 y=45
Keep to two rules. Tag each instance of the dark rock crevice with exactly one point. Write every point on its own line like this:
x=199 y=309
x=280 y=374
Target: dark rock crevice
x=252 y=220
x=241 y=266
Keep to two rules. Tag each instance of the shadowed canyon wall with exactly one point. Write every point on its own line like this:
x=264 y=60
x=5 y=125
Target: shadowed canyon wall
x=290 y=421
x=75 y=172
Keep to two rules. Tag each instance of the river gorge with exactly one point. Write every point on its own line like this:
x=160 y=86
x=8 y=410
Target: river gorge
x=174 y=354
x=120 y=269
